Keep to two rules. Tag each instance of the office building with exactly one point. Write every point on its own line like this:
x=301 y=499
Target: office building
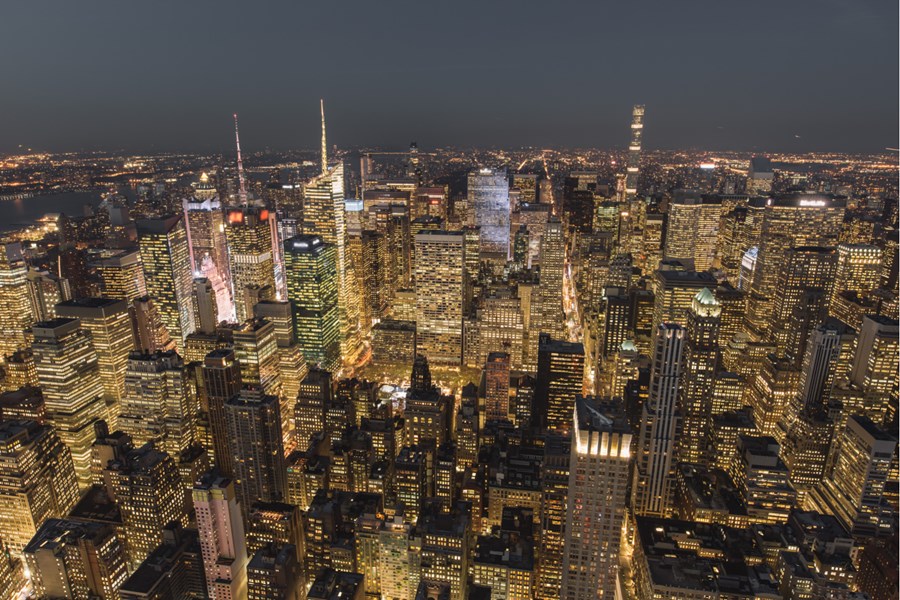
x=222 y=542
x=560 y=377
x=122 y=275
x=16 y=315
x=440 y=285
x=221 y=382
x=249 y=231
x=488 y=198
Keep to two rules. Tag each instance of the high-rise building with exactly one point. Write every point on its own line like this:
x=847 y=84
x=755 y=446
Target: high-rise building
x=274 y=574
x=16 y=315
x=150 y=334
x=122 y=275
x=693 y=228
x=249 y=231
x=854 y=489
x=634 y=151
x=489 y=200
x=674 y=294
x=206 y=227
x=553 y=264
x=253 y=426
x=37 y=480
x=701 y=350
x=69 y=376
x=440 y=285
x=221 y=537
x=221 y=382
x=875 y=364
x=788 y=222
x=145 y=484
x=560 y=377
x=653 y=485
x=804 y=286
x=316 y=392
x=173 y=570
x=205 y=306
x=496 y=386
x=858 y=268
x=109 y=324
x=165 y=256
x=313 y=293
x=76 y=559
x=159 y=404
x=599 y=465
x=45 y=291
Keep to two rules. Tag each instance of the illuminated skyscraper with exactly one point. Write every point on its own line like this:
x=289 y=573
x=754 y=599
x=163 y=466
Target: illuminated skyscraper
x=109 y=324
x=804 y=285
x=674 y=293
x=69 y=376
x=316 y=392
x=599 y=464
x=489 y=199
x=693 y=228
x=653 y=487
x=553 y=264
x=16 y=316
x=253 y=425
x=150 y=334
x=159 y=404
x=496 y=382
x=167 y=271
x=313 y=294
x=560 y=377
x=788 y=222
x=249 y=231
x=701 y=351
x=440 y=285
x=854 y=489
x=634 y=151
x=858 y=268
x=222 y=540
x=206 y=236
x=76 y=559
x=37 y=480
x=221 y=382
x=122 y=275
x=875 y=364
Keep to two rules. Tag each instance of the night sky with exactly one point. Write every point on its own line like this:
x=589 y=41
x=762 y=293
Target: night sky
x=159 y=75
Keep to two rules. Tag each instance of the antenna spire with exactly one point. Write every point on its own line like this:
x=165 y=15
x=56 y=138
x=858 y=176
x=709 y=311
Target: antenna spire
x=242 y=193
x=324 y=143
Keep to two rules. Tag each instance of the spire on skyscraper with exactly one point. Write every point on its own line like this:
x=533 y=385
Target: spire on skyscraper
x=242 y=193
x=324 y=143
x=634 y=151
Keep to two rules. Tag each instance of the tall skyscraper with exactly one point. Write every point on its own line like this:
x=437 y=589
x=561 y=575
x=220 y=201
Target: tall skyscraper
x=159 y=404
x=804 y=286
x=37 y=480
x=122 y=275
x=634 y=151
x=701 y=350
x=440 y=285
x=313 y=293
x=167 y=271
x=16 y=316
x=875 y=364
x=560 y=377
x=249 y=231
x=553 y=264
x=222 y=540
x=693 y=228
x=69 y=376
x=653 y=485
x=599 y=464
x=489 y=200
x=76 y=559
x=253 y=426
x=496 y=384
x=221 y=382
x=206 y=236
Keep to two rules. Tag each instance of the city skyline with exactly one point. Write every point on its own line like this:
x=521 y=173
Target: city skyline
x=804 y=77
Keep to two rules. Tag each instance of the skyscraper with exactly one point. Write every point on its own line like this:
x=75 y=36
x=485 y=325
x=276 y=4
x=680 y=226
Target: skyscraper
x=15 y=310
x=122 y=275
x=496 y=383
x=440 y=284
x=109 y=324
x=653 y=478
x=489 y=200
x=221 y=537
x=693 y=228
x=249 y=231
x=37 y=480
x=634 y=151
x=221 y=382
x=599 y=465
x=312 y=291
x=701 y=351
x=560 y=377
x=553 y=264
x=253 y=426
x=69 y=376
x=167 y=271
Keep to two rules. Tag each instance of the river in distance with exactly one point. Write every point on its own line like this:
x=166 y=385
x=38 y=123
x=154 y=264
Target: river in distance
x=25 y=211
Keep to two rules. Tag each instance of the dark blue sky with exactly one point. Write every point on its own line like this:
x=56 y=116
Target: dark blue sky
x=718 y=74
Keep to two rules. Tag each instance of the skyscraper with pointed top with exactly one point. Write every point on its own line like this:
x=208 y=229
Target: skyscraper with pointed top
x=242 y=187
x=324 y=141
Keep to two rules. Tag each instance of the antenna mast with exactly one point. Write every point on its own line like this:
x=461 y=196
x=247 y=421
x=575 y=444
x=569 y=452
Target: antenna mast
x=242 y=193
x=324 y=144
